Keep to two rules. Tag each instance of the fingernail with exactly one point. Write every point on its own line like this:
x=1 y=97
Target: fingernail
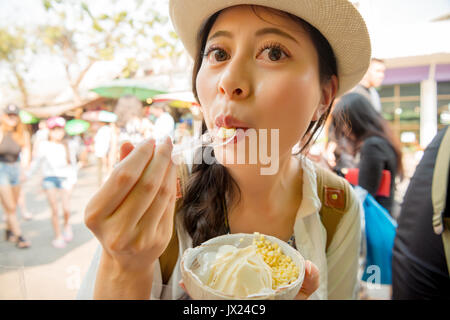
x=151 y=141
x=168 y=140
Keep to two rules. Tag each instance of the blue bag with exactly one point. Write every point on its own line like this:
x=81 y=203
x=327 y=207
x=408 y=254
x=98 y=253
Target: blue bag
x=380 y=229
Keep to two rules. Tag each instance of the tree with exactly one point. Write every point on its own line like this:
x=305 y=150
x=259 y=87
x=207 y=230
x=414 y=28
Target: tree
x=13 y=45
x=79 y=38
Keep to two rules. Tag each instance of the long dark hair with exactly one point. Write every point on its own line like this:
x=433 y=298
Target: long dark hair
x=211 y=190
x=355 y=118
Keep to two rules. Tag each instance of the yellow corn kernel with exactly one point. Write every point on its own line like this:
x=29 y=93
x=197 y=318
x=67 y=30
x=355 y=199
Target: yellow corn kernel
x=229 y=132
x=284 y=271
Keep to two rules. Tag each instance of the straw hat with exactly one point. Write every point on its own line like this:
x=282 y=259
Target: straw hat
x=338 y=21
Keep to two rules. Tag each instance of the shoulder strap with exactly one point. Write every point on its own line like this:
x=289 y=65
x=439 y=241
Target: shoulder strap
x=334 y=195
x=441 y=223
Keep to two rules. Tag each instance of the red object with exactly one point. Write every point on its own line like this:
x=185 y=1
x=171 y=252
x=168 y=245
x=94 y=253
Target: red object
x=385 y=183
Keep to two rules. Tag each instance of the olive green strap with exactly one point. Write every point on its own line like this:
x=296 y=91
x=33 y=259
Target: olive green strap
x=446 y=241
x=441 y=224
x=334 y=196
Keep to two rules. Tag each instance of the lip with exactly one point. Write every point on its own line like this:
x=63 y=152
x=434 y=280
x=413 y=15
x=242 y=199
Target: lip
x=228 y=121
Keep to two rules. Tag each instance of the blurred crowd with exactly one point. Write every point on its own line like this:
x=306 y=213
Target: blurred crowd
x=56 y=153
x=410 y=238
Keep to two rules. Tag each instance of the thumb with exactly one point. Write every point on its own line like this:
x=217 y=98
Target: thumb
x=125 y=149
x=310 y=282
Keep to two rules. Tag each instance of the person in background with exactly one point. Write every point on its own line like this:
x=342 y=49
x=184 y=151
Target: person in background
x=22 y=204
x=131 y=124
x=40 y=135
x=371 y=139
x=419 y=266
x=372 y=79
x=14 y=144
x=164 y=124
x=338 y=153
x=59 y=176
x=103 y=141
x=182 y=133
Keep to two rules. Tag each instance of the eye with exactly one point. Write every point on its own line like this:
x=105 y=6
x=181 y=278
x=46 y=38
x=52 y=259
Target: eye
x=215 y=55
x=273 y=52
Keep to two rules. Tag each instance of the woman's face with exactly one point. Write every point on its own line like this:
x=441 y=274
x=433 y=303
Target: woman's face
x=259 y=72
x=11 y=120
x=56 y=134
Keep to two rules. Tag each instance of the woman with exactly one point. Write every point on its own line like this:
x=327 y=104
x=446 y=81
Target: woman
x=372 y=141
x=14 y=144
x=59 y=176
x=275 y=72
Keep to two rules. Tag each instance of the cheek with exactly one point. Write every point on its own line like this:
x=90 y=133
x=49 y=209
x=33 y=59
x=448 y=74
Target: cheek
x=206 y=91
x=289 y=102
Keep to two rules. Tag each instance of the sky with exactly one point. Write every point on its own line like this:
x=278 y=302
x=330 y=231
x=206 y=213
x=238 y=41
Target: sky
x=387 y=21
x=378 y=12
x=401 y=28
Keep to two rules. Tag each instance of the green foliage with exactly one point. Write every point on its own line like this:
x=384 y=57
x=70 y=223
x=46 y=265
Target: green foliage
x=11 y=44
x=130 y=68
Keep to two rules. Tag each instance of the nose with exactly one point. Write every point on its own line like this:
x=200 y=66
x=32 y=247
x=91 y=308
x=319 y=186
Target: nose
x=235 y=81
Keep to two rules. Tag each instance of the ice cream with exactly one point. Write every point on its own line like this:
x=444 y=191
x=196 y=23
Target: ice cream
x=225 y=133
x=239 y=272
x=255 y=269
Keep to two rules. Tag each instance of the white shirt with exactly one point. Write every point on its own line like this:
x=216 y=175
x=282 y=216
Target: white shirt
x=102 y=140
x=338 y=265
x=164 y=126
x=376 y=102
x=52 y=159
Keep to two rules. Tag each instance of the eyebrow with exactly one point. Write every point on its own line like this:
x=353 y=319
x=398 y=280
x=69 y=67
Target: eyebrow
x=258 y=33
x=221 y=34
x=276 y=31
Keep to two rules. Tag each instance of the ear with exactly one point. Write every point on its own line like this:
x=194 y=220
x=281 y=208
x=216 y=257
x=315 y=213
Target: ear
x=329 y=90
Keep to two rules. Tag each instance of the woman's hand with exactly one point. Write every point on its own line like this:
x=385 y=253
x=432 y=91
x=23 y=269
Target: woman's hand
x=132 y=213
x=310 y=282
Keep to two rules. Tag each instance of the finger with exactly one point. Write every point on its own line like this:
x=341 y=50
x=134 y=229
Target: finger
x=181 y=284
x=125 y=149
x=167 y=220
x=120 y=182
x=143 y=193
x=311 y=281
x=155 y=217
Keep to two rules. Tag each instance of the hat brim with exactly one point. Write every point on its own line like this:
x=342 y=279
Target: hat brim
x=338 y=21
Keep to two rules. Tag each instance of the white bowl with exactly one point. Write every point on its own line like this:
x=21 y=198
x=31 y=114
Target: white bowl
x=199 y=291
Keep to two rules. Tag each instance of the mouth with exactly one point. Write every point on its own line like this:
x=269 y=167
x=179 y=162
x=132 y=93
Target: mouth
x=227 y=125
